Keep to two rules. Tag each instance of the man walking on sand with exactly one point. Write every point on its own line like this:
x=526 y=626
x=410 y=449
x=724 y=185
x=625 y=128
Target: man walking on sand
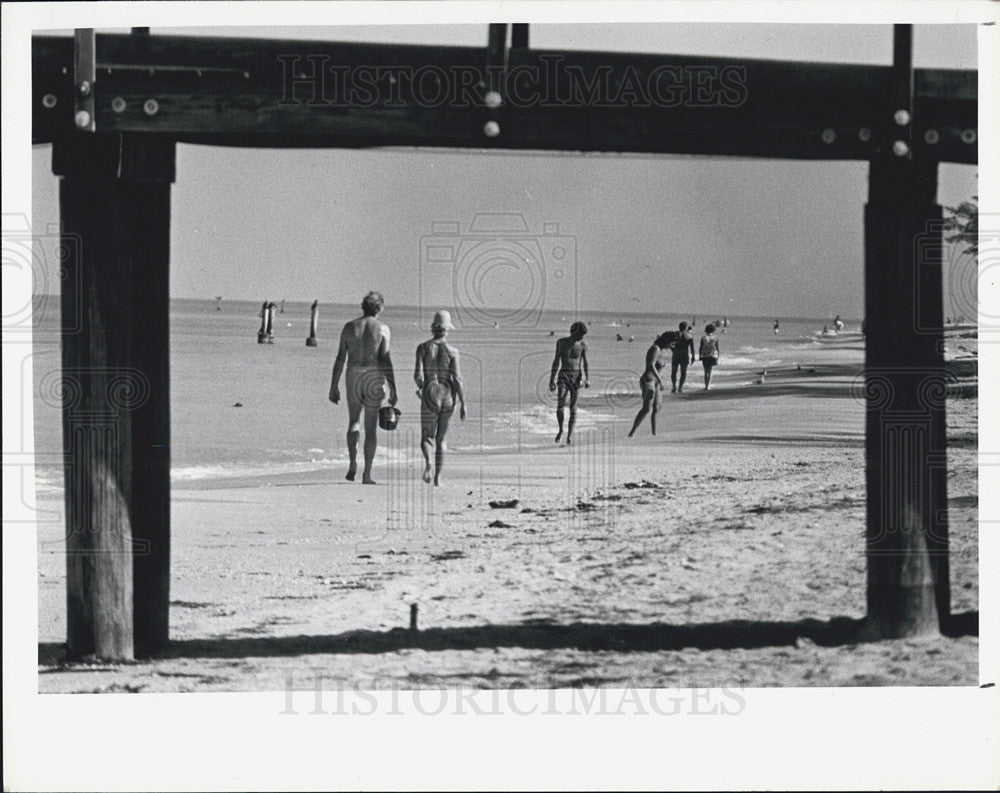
x=364 y=347
x=683 y=354
x=567 y=376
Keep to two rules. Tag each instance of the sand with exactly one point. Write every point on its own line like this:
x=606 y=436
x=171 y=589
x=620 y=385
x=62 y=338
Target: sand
x=726 y=551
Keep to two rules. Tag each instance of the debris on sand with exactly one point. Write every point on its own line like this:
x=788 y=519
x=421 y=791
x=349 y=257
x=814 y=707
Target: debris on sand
x=645 y=484
x=443 y=557
x=527 y=510
x=499 y=524
x=585 y=506
x=505 y=504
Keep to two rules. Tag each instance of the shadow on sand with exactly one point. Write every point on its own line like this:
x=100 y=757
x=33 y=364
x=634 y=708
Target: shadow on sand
x=593 y=637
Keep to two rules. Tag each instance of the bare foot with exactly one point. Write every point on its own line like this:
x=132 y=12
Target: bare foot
x=351 y=473
x=427 y=474
x=437 y=481
x=569 y=441
x=367 y=480
x=558 y=436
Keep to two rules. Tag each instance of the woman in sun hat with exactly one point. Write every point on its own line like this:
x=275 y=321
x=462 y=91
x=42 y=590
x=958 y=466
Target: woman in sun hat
x=439 y=386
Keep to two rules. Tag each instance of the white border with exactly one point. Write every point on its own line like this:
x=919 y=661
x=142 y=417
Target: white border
x=810 y=738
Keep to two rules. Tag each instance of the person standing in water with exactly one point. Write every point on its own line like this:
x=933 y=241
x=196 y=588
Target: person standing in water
x=776 y=326
x=651 y=383
x=569 y=371
x=364 y=347
x=708 y=352
x=838 y=323
x=683 y=354
x=439 y=386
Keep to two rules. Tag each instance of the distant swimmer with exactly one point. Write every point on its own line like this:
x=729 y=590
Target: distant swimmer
x=631 y=339
x=282 y=311
x=708 y=352
x=826 y=331
x=838 y=324
x=619 y=337
x=439 y=386
x=218 y=303
x=651 y=383
x=569 y=371
x=364 y=347
x=725 y=322
x=683 y=354
x=776 y=326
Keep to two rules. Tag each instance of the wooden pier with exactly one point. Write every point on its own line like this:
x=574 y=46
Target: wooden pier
x=115 y=106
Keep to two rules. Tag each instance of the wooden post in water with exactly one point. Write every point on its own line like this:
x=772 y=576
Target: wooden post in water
x=311 y=341
x=262 y=333
x=907 y=531
x=115 y=206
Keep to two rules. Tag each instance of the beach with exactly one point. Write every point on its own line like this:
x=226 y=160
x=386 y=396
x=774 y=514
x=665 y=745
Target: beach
x=726 y=551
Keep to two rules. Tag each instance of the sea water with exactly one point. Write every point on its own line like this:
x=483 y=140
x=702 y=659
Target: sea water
x=285 y=422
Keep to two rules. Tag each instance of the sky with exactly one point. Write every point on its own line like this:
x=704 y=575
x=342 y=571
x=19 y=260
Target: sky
x=675 y=235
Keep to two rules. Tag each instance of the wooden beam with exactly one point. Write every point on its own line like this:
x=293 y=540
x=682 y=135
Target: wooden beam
x=114 y=202
x=905 y=385
x=258 y=92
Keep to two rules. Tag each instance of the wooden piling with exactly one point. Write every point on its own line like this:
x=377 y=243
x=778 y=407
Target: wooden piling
x=314 y=316
x=115 y=203
x=907 y=532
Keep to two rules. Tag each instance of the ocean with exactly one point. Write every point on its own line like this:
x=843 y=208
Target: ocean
x=286 y=423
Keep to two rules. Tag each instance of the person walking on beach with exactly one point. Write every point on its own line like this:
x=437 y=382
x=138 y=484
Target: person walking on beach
x=683 y=354
x=439 y=386
x=651 y=383
x=364 y=347
x=708 y=352
x=569 y=370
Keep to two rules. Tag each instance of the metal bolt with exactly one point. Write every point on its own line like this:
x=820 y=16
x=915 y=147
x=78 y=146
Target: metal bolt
x=82 y=119
x=151 y=107
x=491 y=129
x=828 y=136
x=492 y=99
x=864 y=134
x=900 y=149
x=968 y=136
x=49 y=101
x=901 y=117
x=931 y=136
x=83 y=88
x=118 y=104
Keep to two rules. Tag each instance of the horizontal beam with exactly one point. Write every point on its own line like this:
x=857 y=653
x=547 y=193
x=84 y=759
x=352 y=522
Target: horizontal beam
x=276 y=93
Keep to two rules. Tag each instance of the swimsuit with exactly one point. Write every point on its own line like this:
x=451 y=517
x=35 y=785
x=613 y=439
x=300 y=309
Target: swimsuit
x=365 y=385
x=438 y=395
